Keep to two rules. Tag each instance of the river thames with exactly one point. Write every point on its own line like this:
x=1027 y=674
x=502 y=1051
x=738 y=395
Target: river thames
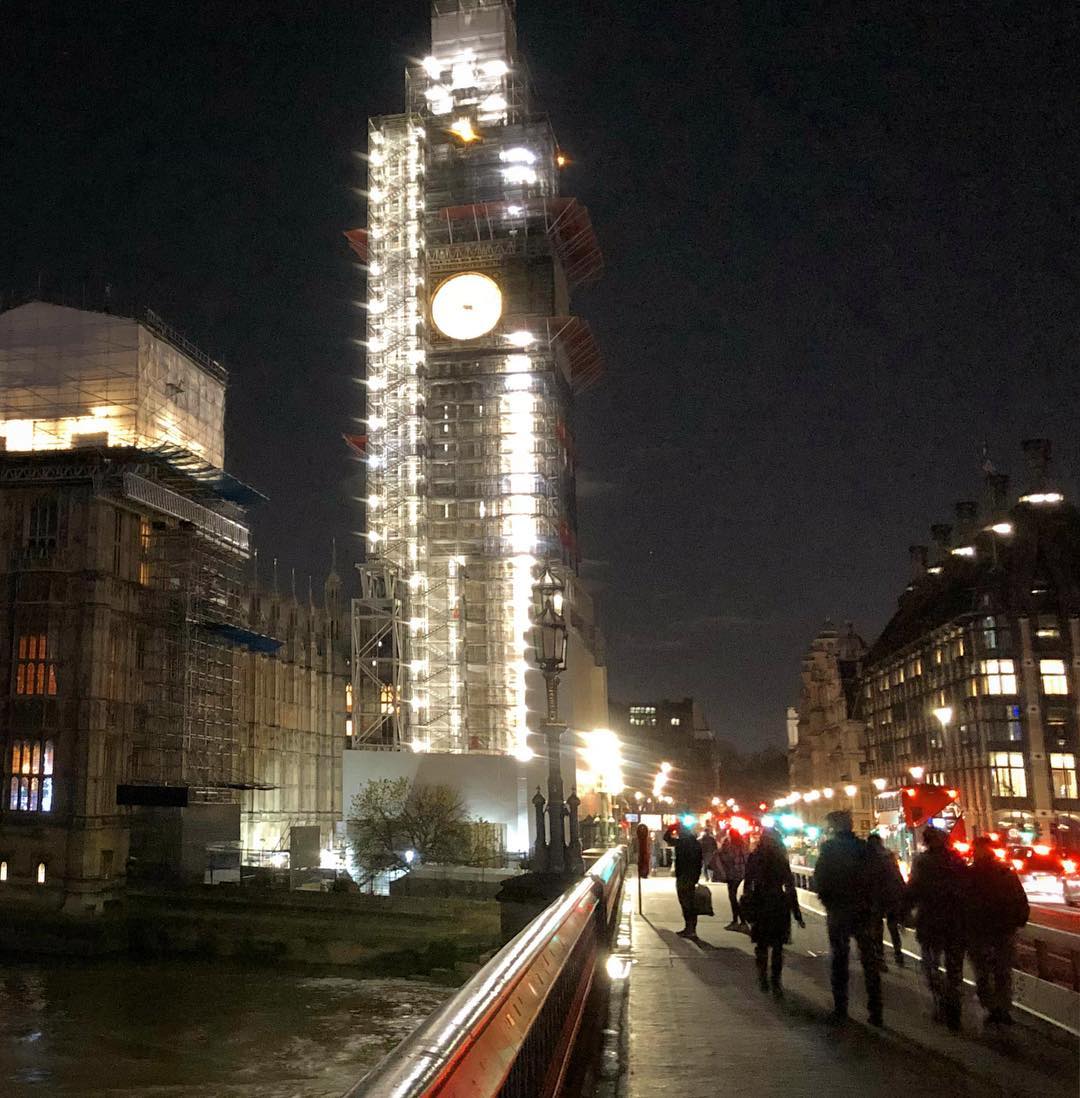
x=121 y=1028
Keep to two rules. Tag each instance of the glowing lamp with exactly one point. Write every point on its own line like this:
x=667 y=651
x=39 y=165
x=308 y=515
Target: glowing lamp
x=1068 y=865
x=851 y=790
x=1041 y=848
x=917 y=772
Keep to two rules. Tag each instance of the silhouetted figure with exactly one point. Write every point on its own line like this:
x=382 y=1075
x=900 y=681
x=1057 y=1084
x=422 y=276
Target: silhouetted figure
x=687 y=874
x=997 y=909
x=770 y=902
x=731 y=858
x=937 y=892
x=890 y=892
x=708 y=852
x=845 y=882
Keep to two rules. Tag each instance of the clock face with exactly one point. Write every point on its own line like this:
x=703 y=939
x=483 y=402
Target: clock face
x=466 y=306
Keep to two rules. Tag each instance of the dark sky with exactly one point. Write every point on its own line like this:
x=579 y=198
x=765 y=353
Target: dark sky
x=842 y=254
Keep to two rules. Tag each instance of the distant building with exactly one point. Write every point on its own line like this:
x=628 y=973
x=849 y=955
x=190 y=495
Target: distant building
x=673 y=731
x=976 y=678
x=155 y=703
x=826 y=755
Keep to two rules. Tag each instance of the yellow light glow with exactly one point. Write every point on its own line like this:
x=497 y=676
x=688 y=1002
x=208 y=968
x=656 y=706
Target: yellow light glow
x=463 y=128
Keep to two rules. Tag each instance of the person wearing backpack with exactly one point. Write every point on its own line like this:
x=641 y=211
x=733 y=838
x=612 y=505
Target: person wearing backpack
x=937 y=892
x=847 y=885
x=997 y=909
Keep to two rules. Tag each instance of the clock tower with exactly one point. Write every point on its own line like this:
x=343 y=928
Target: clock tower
x=474 y=362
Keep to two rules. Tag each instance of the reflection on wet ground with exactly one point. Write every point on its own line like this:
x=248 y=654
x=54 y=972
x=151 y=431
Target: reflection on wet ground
x=118 y=1027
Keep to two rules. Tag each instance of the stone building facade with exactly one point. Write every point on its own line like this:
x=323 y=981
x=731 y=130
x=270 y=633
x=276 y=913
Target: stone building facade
x=827 y=758
x=154 y=701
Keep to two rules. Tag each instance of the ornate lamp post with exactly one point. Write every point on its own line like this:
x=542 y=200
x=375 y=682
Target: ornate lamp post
x=549 y=643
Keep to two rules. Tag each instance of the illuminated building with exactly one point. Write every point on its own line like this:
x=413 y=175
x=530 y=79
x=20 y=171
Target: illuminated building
x=474 y=360
x=156 y=701
x=975 y=677
x=825 y=750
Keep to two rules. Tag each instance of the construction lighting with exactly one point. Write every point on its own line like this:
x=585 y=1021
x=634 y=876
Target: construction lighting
x=433 y=67
x=1003 y=528
x=561 y=160
x=519 y=173
x=963 y=551
x=1042 y=497
x=517 y=155
x=462 y=128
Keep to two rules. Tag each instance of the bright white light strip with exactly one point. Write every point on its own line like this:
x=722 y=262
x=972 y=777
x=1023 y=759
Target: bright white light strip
x=519 y=173
x=517 y=155
x=1043 y=497
x=963 y=551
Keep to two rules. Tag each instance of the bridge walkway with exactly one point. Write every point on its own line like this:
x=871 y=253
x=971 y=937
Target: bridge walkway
x=697 y=1026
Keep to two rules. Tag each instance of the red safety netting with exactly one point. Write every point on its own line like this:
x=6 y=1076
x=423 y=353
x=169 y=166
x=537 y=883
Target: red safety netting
x=572 y=337
x=358 y=241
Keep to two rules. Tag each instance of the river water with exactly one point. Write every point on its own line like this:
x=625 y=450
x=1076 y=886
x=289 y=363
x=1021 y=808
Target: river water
x=178 y=1029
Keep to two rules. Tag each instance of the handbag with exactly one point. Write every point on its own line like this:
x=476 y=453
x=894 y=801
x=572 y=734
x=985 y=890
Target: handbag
x=703 y=900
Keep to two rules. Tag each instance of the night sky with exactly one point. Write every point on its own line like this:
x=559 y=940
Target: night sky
x=841 y=248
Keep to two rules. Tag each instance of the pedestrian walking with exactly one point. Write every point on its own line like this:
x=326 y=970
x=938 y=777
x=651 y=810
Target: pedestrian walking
x=708 y=853
x=997 y=909
x=770 y=902
x=845 y=883
x=731 y=858
x=890 y=892
x=937 y=893
x=687 y=874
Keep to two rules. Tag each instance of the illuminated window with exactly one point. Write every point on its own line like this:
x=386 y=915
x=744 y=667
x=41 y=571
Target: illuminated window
x=643 y=716
x=3 y=871
x=1063 y=774
x=989 y=634
x=348 y=697
x=998 y=677
x=41 y=873
x=30 y=786
x=386 y=701
x=1053 y=677
x=1008 y=778
x=675 y=722
x=1014 y=723
x=144 y=552
x=35 y=669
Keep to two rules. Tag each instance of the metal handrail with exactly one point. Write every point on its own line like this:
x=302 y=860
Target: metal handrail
x=432 y=1060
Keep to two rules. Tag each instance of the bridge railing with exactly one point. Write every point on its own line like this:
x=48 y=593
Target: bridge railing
x=510 y=1030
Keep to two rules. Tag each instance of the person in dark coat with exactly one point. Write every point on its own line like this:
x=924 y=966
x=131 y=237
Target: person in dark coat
x=687 y=874
x=845 y=883
x=731 y=858
x=770 y=902
x=890 y=892
x=937 y=892
x=997 y=909
x=708 y=852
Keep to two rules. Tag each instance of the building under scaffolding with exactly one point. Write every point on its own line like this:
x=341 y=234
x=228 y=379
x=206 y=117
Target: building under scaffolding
x=158 y=703
x=474 y=362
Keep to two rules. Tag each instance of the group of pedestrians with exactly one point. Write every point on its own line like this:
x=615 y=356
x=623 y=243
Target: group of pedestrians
x=957 y=909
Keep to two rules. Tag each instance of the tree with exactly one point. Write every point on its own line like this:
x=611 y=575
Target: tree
x=389 y=817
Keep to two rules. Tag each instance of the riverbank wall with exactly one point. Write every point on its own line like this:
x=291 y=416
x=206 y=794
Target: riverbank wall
x=366 y=934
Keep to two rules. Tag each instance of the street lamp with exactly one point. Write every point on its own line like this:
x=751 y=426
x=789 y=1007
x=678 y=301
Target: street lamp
x=549 y=645
x=917 y=772
x=944 y=715
x=604 y=756
x=880 y=784
x=850 y=790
